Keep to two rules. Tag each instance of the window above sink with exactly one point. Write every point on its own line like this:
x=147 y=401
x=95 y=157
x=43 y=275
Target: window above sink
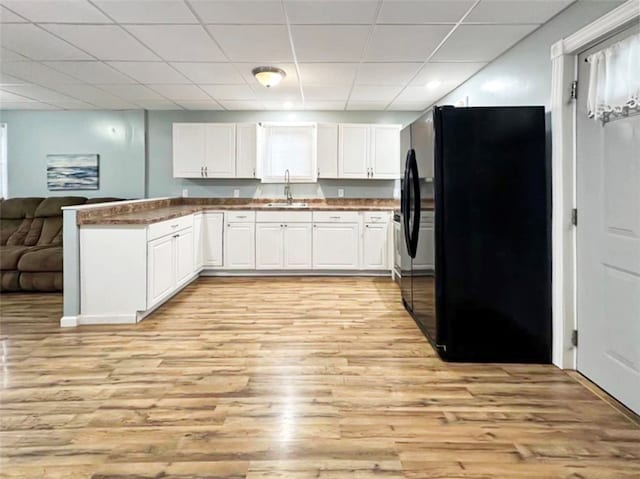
x=287 y=146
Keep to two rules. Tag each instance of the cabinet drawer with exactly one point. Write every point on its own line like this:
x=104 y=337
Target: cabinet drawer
x=156 y=230
x=240 y=216
x=335 y=217
x=283 y=216
x=376 y=217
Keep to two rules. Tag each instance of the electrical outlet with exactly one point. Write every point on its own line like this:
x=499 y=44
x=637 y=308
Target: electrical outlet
x=236 y=193
x=185 y=193
x=340 y=193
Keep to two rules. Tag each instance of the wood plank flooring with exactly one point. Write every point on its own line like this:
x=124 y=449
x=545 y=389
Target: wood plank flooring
x=285 y=378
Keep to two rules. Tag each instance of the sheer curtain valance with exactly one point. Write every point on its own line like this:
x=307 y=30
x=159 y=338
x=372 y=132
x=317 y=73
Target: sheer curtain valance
x=614 y=80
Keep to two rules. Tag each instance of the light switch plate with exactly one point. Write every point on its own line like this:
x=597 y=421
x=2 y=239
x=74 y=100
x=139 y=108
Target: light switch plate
x=236 y=193
x=185 y=193
x=340 y=192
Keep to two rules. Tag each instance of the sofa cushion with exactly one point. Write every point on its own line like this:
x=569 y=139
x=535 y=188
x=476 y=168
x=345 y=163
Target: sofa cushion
x=47 y=282
x=51 y=206
x=10 y=256
x=41 y=259
x=18 y=208
x=9 y=281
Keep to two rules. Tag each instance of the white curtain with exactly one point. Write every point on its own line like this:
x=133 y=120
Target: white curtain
x=614 y=80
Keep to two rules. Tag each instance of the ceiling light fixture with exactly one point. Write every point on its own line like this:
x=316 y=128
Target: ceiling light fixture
x=433 y=84
x=268 y=76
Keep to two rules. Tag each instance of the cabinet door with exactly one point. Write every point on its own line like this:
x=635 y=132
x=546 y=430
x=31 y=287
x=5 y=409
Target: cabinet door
x=425 y=257
x=335 y=245
x=198 y=242
x=375 y=246
x=212 y=239
x=188 y=150
x=269 y=245
x=239 y=246
x=353 y=151
x=160 y=270
x=297 y=246
x=385 y=151
x=184 y=256
x=327 y=150
x=246 y=150
x=220 y=141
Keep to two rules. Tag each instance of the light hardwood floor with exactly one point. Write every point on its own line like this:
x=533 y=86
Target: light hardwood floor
x=286 y=378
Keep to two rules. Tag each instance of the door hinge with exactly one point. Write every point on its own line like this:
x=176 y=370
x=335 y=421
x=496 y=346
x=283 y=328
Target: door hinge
x=574 y=338
x=574 y=217
x=574 y=90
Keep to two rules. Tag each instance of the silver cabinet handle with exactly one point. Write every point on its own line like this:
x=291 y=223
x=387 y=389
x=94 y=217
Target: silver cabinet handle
x=254 y=172
x=206 y=172
x=175 y=226
x=241 y=216
x=202 y=171
x=318 y=172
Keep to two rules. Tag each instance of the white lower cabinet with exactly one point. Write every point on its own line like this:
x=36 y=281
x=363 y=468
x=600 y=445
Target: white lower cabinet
x=297 y=246
x=170 y=264
x=269 y=245
x=183 y=242
x=212 y=239
x=335 y=245
x=239 y=246
x=198 y=242
x=375 y=246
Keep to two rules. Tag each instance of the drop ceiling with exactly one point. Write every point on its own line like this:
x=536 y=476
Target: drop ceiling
x=198 y=54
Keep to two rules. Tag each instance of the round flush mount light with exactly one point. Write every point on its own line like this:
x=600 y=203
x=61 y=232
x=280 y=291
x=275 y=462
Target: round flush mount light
x=268 y=76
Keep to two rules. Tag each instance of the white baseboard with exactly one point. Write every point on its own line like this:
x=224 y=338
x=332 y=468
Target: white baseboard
x=106 y=319
x=292 y=272
x=68 y=321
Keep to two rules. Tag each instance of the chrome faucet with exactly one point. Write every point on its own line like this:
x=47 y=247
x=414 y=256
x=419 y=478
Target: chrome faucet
x=287 y=187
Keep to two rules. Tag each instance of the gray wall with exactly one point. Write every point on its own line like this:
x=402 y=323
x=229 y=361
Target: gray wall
x=117 y=136
x=522 y=76
x=162 y=183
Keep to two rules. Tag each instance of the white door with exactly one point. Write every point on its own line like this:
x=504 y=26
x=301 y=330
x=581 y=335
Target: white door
x=220 y=141
x=188 y=150
x=385 y=152
x=335 y=245
x=353 y=151
x=269 y=245
x=161 y=272
x=327 y=150
x=239 y=246
x=198 y=242
x=212 y=239
x=183 y=256
x=608 y=247
x=246 y=150
x=297 y=246
x=375 y=246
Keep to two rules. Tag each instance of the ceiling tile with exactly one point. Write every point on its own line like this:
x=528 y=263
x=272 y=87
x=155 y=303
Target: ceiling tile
x=449 y=73
x=408 y=106
x=386 y=73
x=406 y=43
x=481 y=43
x=416 y=12
x=253 y=43
x=7 y=16
x=132 y=92
x=367 y=105
x=25 y=105
x=219 y=73
x=331 y=12
x=33 y=42
x=157 y=105
x=200 y=105
x=229 y=92
x=290 y=80
x=178 y=42
x=106 y=42
x=74 y=105
x=90 y=94
x=181 y=92
x=36 y=73
x=279 y=93
x=136 y=11
x=241 y=105
x=501 y=11
x=7 y=96
x=328 y=73
x=8 y=79
x=417 y=94
x=329 y=43
x=283 y=105
x=374 y=93
x=240 y=12
x=324 y=105
x=9 y=55
x=90 y=72
x=36 y=92
x=67 y=11
x=150 y=72
x=326 y=92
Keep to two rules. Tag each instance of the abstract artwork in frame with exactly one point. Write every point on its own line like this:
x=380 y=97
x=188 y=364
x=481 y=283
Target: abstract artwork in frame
x=72 y=172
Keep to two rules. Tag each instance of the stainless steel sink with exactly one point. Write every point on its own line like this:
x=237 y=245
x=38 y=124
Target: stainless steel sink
x=284 y=204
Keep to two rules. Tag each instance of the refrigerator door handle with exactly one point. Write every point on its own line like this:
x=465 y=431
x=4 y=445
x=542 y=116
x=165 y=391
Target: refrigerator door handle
x=405 y=207
x=415 y=185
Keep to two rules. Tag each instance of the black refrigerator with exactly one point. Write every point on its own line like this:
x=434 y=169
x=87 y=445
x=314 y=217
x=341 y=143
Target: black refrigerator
x=477 y=226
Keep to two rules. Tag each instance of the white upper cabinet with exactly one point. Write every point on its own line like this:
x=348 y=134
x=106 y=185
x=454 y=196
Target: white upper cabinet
x=327 y=150
x=368 y=151
x=246 y=150
x=288 y=147
x=220 y=149
x=353 y=151
x=189 y=155
x=385 y=147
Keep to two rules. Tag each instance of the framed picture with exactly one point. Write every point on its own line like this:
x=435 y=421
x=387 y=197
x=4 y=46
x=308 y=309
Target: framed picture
x=72 y=172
